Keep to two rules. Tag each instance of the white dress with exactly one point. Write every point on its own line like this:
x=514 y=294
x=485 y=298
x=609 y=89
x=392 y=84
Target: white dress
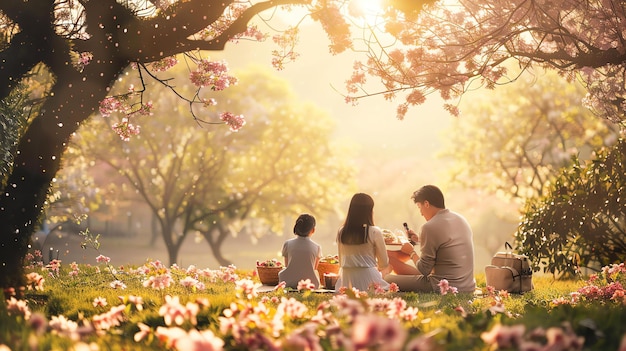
x=360 y=264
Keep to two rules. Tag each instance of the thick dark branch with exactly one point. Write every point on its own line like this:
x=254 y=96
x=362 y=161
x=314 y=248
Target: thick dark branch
x=241 y=24
x=562 y=60
x=157 y=42
x=29 y=46
x=15 y=62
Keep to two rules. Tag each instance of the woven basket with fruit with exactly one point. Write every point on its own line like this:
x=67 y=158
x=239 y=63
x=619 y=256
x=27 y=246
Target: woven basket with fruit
x=268 y=271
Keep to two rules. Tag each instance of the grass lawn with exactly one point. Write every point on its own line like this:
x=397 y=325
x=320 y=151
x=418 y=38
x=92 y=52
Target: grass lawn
x=153 y=307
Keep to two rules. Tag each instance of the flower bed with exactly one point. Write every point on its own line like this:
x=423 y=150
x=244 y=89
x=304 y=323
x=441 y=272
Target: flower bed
x=175 y=308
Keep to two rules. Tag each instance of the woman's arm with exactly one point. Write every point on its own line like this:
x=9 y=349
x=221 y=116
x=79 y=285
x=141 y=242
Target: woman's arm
x=379 y=248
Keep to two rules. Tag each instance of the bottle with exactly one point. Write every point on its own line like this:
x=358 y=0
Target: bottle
x=406 y=227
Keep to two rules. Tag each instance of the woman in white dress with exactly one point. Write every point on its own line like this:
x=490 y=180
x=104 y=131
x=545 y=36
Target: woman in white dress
x=361 y=248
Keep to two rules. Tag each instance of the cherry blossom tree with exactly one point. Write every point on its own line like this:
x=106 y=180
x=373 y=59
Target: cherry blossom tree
x=86 y=45
x=452 y=47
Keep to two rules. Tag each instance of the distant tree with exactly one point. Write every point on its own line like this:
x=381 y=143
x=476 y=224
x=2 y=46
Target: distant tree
x=581 y=222
x=200 y=180
x=516 y=140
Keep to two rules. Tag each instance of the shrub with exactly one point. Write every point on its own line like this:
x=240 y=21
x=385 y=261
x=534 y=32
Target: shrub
x=582 y=220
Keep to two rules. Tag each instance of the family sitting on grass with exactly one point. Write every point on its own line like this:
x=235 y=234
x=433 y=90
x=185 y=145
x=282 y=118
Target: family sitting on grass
x=446 y=250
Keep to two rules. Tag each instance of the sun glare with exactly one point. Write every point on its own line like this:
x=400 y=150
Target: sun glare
x=367 y=11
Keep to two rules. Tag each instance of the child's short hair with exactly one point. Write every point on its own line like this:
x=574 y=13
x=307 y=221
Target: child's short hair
x=304 y=224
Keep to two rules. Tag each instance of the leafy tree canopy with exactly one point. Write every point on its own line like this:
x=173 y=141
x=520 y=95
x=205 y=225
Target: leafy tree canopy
x=514 y=141
x=203 y=180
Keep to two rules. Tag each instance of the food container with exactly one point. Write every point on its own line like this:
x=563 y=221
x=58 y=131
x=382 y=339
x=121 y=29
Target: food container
x=330 y=279
x=325 y=267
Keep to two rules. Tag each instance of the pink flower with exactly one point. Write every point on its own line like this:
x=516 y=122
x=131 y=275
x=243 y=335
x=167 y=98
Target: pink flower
x=393 y=287
x=63 y=326
x=235 y=122
x=144 y=331
x=164 y=64
x=172 y=311
x=504 y=336
x=38 y=322
x=125 y=129
x=34 y=281
x=305 y=285
x=54 y=267
x=137 y=301
x=109 y=105
x=410 y=313
x=203 y=302
x=190 y=282
x=304 y=338
x=158 y=282
x=116 y=284
x=291 y=308
x=99 y=302
x=18 y=308
x=112 y=318
x=444 y=287
x=378 y=289
x=196 y=340
x=246 y=288
x=563 y=339
x=209 y=102
x=170 y=336
x=213 y=75
x=85 y=58
x=375 y=332
x=103 y=259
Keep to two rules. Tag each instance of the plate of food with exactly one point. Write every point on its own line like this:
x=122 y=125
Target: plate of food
x=393 y=247
x=393 y=241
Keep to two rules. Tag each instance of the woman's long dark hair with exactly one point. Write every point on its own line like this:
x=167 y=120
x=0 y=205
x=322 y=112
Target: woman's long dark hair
x=360 y=216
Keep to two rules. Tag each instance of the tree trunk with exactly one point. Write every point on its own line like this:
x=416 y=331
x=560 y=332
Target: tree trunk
x=37 y=161
x=216 y=243
x=172 y=241
x=154 y=230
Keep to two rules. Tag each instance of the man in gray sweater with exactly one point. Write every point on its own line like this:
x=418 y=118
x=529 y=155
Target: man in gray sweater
x=446 y=249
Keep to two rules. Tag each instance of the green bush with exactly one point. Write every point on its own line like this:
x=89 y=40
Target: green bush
x=582 y=220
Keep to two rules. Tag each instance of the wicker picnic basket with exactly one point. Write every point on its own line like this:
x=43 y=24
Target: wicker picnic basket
x=268 y=275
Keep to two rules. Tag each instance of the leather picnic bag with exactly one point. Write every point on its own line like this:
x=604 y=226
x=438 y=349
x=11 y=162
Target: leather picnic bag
x=509 y=271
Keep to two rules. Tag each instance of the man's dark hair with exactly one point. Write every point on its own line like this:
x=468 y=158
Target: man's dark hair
x=429 y=193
